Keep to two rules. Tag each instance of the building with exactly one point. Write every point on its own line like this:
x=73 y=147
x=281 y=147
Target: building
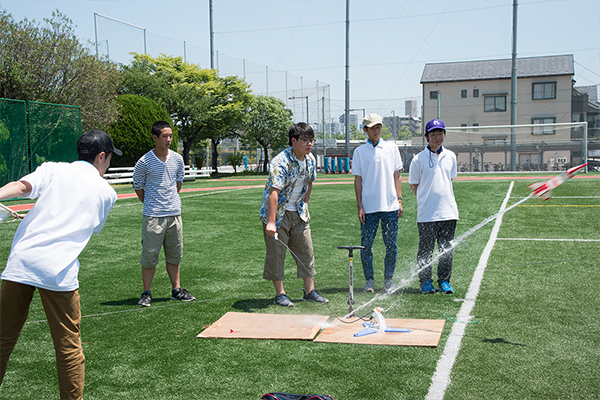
x=587 y=108
x=395 y=124
x=478 y=93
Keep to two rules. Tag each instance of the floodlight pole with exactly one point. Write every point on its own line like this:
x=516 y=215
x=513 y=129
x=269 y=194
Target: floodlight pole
x=302 y=97
x=347 y=89
x=212 y=34
x=513 y=94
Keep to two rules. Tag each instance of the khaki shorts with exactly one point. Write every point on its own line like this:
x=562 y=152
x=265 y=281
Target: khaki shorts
x=158 y=232
x=295 y=233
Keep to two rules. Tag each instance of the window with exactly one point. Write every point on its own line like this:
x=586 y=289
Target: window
x=494 y=103
x=463 y=125
x=543 y=130
x=475 y=92
x=475 y=129
x=541 y=91
x=433 y=95
x=463 y=93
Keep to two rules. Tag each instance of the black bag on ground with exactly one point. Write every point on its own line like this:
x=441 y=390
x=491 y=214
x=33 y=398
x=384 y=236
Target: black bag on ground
x=290 y=396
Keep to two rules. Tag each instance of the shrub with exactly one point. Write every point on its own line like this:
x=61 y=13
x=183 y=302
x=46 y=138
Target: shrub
x=131 y=133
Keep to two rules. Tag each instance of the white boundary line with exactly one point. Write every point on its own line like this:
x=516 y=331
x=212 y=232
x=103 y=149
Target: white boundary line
x=441 y=377
x=551 y=240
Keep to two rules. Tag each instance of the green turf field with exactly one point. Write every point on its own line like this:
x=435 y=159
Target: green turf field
x=533 y=331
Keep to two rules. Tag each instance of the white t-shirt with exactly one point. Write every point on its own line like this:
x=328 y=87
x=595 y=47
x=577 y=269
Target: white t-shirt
x=292 y=205
x=433 y=174
x=73 y=202
x=376 y=166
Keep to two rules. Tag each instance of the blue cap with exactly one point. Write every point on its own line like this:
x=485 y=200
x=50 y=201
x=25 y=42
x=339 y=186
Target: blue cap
x=435 y=124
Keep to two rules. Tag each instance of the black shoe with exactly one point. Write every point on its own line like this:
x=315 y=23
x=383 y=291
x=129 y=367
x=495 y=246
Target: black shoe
x=181 y=294
x=314 y=296
x=145 y=300
x=282 y=300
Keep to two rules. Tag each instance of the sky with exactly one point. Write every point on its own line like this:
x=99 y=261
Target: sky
x=297 y=48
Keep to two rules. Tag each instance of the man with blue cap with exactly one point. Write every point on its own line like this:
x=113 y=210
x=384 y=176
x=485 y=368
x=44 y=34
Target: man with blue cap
x=430 y=178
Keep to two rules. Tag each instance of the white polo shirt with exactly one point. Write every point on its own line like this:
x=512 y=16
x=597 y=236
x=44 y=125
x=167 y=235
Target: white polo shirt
x=433 y=174
x=376 y=166
x=73 y=203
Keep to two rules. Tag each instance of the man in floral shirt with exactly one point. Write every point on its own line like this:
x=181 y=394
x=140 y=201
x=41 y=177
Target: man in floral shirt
x=284 y=213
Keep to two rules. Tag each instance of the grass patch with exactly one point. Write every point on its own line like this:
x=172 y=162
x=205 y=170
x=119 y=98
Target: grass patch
x=535 y=334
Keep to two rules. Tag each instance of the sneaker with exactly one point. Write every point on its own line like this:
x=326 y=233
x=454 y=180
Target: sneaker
x=314 y=296
x=145 y=300
x=446 y=288
x=389 y=285
x=370 y=286
x=427 y=287
x=283 y=300
x=181 y=294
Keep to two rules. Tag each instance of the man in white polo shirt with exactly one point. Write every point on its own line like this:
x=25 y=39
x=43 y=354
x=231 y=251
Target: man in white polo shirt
x=430 y=178
x=73 y=202
x=376 y=168
x=157 y=180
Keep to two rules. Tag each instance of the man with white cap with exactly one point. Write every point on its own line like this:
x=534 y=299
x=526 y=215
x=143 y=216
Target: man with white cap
x=430 y=178
x=376 y=168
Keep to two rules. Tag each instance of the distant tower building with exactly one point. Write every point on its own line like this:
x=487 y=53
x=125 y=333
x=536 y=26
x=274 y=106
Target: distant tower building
x=410 y=108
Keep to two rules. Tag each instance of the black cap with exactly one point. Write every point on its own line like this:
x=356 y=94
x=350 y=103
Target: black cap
x=96 y=142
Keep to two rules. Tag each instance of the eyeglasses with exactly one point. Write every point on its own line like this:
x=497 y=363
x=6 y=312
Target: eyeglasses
x=308 y=141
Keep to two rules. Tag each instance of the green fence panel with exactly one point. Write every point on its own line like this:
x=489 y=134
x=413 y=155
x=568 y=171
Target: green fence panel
x=14 y=160
x=53 y=132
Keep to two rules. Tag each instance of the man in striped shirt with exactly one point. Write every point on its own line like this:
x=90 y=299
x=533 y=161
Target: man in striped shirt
x=157 y=180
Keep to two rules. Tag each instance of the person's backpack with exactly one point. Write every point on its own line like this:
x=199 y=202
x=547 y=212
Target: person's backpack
x=290 y=396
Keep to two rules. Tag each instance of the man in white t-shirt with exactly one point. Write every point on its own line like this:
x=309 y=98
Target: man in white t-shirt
x=73 y=201
x=430 y=178
x=376 y=168
x=157 y=179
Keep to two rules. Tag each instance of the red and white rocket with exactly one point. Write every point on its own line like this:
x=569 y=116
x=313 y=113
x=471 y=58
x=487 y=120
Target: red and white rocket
x=543 y=190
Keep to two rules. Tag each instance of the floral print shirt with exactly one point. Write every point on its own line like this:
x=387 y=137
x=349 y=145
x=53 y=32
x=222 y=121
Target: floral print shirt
x=284 y=172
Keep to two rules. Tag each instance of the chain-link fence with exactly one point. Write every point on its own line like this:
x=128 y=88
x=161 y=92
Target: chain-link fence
x=32 y=133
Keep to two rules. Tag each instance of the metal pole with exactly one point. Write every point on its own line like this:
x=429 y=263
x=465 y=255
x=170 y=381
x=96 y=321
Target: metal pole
x=513 y=94
x=347 y=88
x=212 y=34
x=184 y=52
x=307 y=123
x=96 y=34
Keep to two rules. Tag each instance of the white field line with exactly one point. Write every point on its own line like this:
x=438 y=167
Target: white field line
x=552 y=240
x=441 y=377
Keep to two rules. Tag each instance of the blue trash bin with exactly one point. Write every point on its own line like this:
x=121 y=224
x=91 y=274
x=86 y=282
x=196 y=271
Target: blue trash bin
x=333 y=165
x=326 y=165
x=340 y=162
x=346 y=164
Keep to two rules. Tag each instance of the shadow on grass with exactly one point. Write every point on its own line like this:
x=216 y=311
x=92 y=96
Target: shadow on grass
x=253 y=305
x=501 y=341
x=133 y=301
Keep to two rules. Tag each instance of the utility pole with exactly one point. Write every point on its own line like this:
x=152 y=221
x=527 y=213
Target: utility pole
x=513 y=94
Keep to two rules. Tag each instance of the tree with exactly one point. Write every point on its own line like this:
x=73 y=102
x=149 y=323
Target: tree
x=48 y=64
x=267 y=123
x=202 y=104
x=132 y=131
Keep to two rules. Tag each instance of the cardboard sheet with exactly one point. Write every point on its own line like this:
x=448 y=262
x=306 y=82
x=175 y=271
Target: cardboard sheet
x=234 y=325
x=424 y=332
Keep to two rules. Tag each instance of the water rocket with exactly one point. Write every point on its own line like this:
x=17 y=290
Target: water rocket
x=543 y=190
x=381 y=326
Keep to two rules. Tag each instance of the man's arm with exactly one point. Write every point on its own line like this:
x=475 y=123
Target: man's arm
x=358 y=193
x=15 y=189
x=179 y=186
x=413 y=187
x=140 y=194
x=271 y=228
x=398 y=184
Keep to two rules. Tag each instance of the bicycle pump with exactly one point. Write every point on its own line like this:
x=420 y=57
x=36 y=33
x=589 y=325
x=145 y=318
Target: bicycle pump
x=351 y=293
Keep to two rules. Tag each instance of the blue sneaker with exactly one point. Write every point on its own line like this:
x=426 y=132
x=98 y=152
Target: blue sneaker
x=446 y=288
x=427 y=287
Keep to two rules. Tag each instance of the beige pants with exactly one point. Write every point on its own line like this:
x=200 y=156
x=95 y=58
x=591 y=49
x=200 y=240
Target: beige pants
x=64 y=318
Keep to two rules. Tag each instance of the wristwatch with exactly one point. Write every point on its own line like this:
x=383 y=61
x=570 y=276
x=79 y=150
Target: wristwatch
x=400 y=198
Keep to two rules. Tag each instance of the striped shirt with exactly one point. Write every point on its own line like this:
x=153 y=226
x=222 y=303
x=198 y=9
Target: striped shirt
x=159 y=181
